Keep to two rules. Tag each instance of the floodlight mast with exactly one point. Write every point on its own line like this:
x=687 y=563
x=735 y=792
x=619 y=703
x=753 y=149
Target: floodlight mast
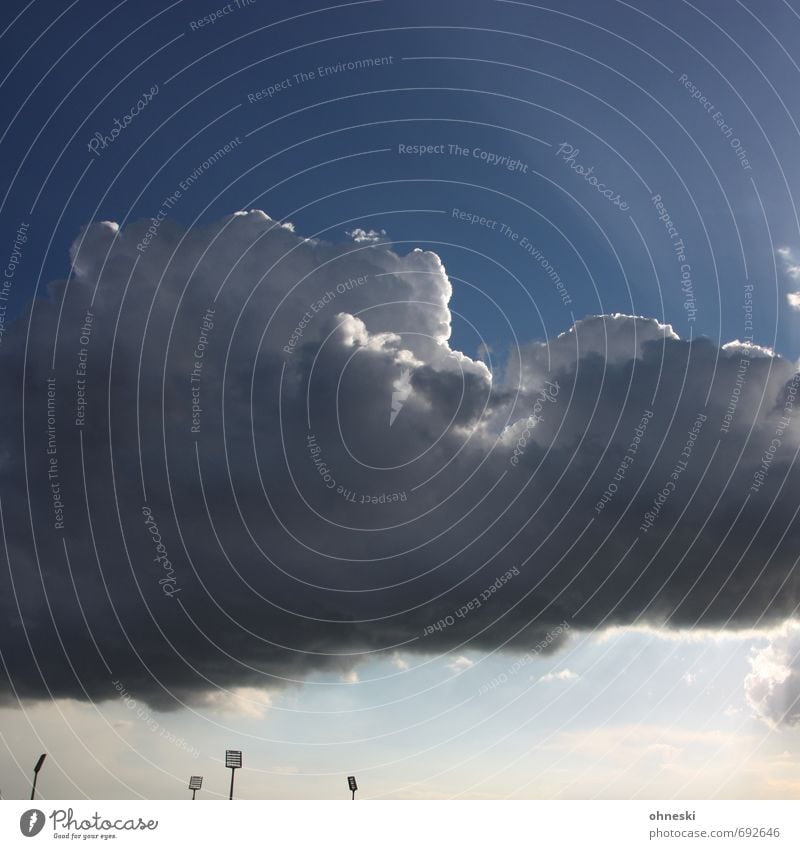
x=351 y=783
x=233 y=760
x=195 y=783
x=36 y=774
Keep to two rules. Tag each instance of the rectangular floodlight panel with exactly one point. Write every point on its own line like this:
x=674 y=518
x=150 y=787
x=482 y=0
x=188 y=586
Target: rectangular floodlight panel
x=351 y=782
x=195 y=782
x=233 y=759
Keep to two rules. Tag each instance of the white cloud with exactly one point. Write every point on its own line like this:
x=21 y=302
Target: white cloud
x=773 y=686
x=246 y=702
x=687 y=635
x=562 y=675
x=791 y=265
x=617 y=338
x=350 y=677
x=747 y=349
x=459 y=664
x=399 y=662
x=360 y=235
x=794 y=300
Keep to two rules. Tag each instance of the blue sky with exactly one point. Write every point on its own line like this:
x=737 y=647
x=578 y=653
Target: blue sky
x=566 y=160
x=603 y=77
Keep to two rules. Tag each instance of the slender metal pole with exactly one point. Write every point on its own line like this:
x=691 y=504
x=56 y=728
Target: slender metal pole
x=233 y=771
x=354 y=795
x=193 y=793
x=36 y=773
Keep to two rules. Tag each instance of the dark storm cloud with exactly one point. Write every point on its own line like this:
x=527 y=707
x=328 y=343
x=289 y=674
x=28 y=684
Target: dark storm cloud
x=240 y=506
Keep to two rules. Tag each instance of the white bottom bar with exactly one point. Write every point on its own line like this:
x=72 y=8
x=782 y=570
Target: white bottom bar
x=386 y=825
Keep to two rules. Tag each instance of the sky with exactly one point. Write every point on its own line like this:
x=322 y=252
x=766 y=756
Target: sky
x=400 y=389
